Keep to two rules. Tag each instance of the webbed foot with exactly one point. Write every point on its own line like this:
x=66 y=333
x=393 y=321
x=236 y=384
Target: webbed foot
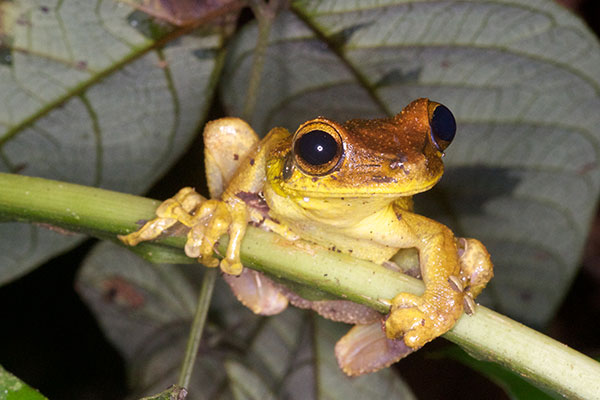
x=365 y=349
x=208 y=220
x=420 y=319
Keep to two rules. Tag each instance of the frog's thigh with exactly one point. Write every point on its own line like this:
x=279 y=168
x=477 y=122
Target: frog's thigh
x=476 y=267
x=227 y=142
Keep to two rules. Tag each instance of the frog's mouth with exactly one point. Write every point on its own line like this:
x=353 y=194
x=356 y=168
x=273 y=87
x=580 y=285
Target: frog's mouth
x=328 y=187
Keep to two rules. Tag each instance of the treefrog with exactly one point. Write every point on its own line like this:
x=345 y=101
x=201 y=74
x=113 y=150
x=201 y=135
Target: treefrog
x=347 y=186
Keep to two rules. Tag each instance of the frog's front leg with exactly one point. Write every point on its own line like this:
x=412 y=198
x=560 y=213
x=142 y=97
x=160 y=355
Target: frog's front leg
x=235 y=165
x=230 y=153
x=207 y=220
x=419 y=319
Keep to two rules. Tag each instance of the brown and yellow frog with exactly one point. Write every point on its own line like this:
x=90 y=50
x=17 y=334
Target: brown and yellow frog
x=346 y=185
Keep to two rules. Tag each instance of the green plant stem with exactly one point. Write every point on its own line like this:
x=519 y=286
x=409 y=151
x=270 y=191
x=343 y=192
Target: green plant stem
x=486 y=334
x=191 y=350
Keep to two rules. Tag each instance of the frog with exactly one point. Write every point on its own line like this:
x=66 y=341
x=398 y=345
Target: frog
x=344 y=186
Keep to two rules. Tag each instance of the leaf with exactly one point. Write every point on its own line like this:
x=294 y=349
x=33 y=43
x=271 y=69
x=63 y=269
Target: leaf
x=172 y=393
x=292 y=357
x=515 y=385
x=85 y=97
x=246 y=384
x=334 y=384
x=139 y=296
x=12 y=388
x=146 y=310
x=523 y=83
x=24 y=246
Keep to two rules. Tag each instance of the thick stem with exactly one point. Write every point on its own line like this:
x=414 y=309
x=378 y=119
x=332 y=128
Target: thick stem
x=486 y=334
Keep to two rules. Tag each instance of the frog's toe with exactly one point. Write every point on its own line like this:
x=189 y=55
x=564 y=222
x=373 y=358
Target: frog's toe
x=194 y=241
x=136 y=237
x=231 y=267
x=402 y=321
x=414 y=326
x=199 y=246
x=151 y=230
x=209 y=261
x=212 y=224
x=420 y=319
x=206 y=249
x=418 y=337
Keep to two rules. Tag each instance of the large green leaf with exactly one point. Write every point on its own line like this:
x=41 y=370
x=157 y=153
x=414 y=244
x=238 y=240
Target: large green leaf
x=292 y=357
x=87 y=97
x=146 y=310
x=524 y=83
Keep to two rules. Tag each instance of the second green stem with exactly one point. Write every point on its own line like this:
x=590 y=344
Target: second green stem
x=193 y=344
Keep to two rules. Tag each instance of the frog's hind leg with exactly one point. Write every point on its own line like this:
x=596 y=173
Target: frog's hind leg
x=366 y=348
x=227 y=143
x=476 y=269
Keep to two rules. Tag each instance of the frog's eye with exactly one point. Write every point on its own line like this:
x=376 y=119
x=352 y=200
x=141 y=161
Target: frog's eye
x=442 y=125
x=317 y=148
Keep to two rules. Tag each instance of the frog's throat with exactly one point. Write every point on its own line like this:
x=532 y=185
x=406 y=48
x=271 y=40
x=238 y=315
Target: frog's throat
x=340 y=211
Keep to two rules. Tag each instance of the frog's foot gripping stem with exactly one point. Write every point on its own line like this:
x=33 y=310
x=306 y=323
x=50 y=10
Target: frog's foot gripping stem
x=207 y=220
x=168 y=213
x=420 y=319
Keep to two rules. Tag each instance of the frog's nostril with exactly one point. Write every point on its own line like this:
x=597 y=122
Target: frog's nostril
x=288 y=167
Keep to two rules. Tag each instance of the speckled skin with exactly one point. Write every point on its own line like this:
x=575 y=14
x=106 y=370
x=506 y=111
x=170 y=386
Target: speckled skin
x=359 y=202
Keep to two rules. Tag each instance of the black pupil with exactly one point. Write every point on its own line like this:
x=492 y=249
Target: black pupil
x=316 y=147
x=443 y=124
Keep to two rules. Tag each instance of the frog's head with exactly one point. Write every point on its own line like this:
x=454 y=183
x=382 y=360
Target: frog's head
x=391 y=157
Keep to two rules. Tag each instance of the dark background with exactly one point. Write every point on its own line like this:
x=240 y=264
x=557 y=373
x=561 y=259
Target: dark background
x=50 y=339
